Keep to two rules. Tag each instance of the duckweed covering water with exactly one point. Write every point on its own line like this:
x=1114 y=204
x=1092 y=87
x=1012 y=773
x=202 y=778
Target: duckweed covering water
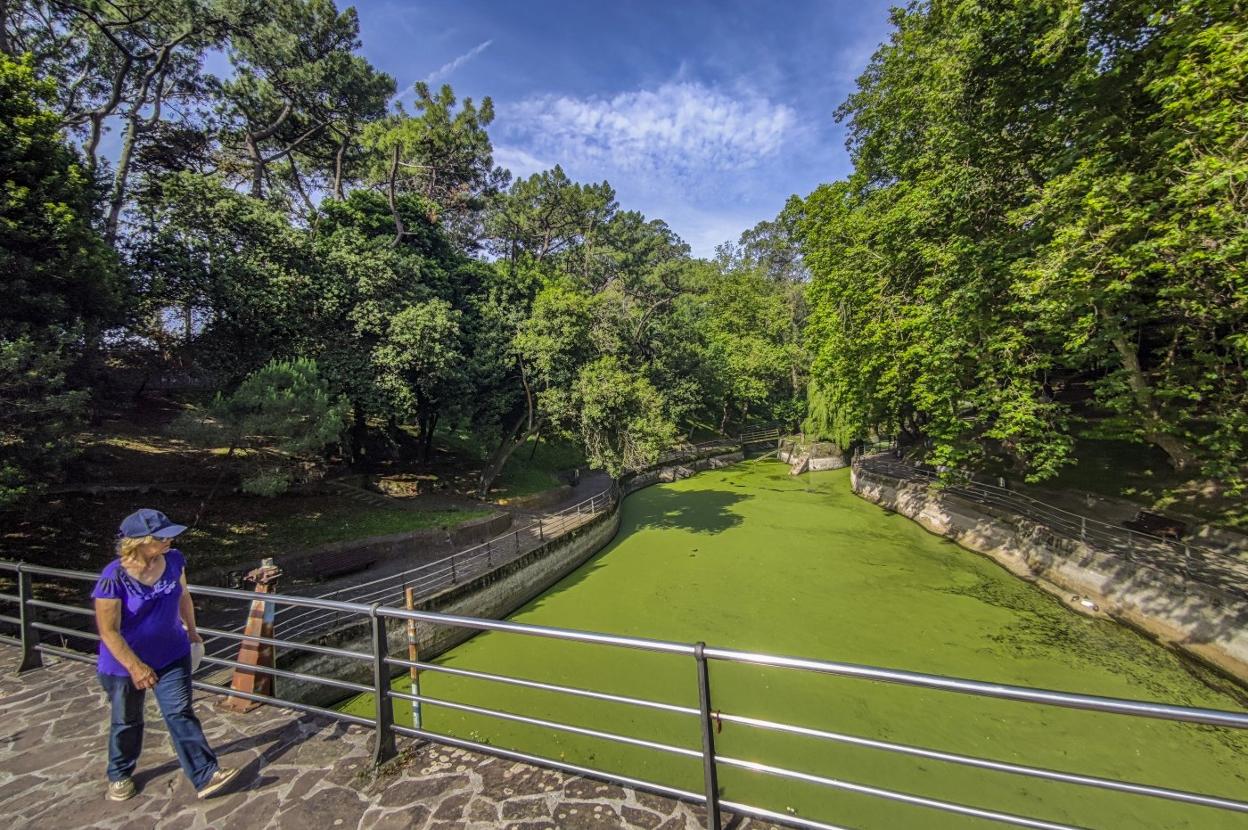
x=751 y=558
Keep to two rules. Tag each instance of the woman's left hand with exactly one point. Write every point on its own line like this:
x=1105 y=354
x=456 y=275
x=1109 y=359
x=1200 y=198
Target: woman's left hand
x=194 y=637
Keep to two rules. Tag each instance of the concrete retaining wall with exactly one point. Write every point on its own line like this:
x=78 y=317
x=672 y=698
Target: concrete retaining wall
x=1199 y=619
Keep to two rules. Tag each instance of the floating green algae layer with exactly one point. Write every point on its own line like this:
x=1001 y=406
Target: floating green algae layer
x=748 y=557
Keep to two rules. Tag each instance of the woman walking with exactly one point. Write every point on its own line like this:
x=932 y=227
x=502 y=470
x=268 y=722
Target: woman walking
x=146 y=621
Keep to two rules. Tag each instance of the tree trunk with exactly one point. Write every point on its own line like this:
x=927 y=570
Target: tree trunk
x=1181 y=457
x=4 y=28
x=428 y=423
x=339 y=158
x=359 y=433
x=257 y=168
x=511 y=442
x=117 y=197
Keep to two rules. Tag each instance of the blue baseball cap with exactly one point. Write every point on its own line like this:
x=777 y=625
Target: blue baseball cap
x=148 y=522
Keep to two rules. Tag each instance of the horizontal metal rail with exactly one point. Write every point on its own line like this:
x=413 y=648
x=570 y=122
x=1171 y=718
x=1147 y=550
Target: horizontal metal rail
x=547 y=687
x=274 y=641
x=1068 y=700
x=550 y=724
x=894 y=795
x=66 y=609
x=988 y=764
x=69 y=632
x=292 y=675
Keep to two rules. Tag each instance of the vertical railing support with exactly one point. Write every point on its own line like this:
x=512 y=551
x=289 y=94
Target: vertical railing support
x=709 y=770
x=413 y=654
x=32 y=658
x=384 y=749
x=540 y=537
x=487 y=552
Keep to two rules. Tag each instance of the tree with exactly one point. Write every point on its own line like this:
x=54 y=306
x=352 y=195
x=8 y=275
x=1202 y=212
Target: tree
x=60 y=286
x=282 y=417
x=621 y=418
x=240 y=273
x=297 y=85
x=446 y=159
x=421 y=361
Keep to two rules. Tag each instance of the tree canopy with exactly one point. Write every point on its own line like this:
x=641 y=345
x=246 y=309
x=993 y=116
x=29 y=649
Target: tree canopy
x=1042 y=231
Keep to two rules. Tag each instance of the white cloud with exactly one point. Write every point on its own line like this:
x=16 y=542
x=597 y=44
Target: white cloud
x=447 y=68
x=673 y=131
x=521 y=163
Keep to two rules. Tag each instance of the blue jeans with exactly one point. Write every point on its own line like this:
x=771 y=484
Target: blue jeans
x=173 y=693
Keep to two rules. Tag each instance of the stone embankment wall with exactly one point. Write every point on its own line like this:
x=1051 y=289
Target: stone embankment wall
x=1198 y=618
x=821 y=455
x=492 y=595
x=676 y=471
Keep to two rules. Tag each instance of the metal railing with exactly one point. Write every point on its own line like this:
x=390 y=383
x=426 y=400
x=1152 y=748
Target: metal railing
x=1192 y=561
x=457 y=568
x=759 y=434
x=691 y=451
x=704 y=718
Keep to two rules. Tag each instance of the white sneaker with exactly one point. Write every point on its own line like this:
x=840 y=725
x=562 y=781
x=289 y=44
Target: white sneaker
x=220 y=779
x=121 y=790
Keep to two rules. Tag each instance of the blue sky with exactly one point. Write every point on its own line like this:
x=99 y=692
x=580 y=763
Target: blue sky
x=708 y=115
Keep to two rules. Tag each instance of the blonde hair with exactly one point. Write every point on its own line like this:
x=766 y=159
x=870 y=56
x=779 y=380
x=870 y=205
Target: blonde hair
x=128 y=549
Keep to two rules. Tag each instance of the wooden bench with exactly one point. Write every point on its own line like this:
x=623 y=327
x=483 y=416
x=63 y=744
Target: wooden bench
x=1157 y=525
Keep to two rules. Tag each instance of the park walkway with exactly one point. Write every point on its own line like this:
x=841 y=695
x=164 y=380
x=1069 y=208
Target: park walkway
x=299 y=771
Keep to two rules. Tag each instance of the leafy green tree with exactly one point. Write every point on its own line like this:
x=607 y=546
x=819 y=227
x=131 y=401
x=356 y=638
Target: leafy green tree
x=282 y=419
x=444 y=157
x=59 y=291
x=622 y=420
x=546 y=215
x=297 y=88
x=421 y=361
x=241 y=274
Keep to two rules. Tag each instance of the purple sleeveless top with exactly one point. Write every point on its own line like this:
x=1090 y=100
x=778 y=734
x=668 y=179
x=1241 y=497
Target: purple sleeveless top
x=150 y=623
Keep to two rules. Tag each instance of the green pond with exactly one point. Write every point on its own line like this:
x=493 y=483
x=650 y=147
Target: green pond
x=749 y=557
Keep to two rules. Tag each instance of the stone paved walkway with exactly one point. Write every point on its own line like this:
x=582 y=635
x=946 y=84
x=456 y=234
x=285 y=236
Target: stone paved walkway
x=300 y=771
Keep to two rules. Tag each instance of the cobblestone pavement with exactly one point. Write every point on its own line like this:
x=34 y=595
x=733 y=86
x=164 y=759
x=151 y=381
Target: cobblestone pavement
x=299 y=771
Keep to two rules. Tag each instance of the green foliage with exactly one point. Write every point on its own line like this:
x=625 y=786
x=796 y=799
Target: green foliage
x=621 y=417
x=1019 y=228
x=231 y=262
x=283 y=418
x=59 y=290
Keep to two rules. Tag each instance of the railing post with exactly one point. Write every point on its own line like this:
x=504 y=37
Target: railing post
x=487 y=552
x=540 y=535
x=709 y=770
x=32 y=658
x=384 y=749
x=1083 y=528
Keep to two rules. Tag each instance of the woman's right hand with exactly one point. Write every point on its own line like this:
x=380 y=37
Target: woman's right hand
x=143 y=676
